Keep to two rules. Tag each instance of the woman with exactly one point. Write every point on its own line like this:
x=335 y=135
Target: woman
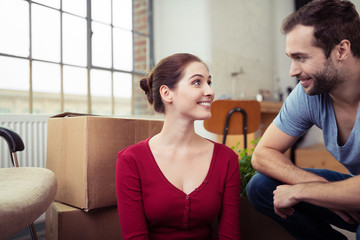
x=176 y=184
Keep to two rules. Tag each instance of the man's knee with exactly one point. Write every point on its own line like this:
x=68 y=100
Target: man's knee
x=255 y=185
x=260 y=190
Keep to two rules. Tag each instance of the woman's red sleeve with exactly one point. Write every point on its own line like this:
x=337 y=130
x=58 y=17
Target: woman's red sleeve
x=229 y=220
x=129 y=199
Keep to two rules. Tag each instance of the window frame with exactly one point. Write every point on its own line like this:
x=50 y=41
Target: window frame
x=89 y=66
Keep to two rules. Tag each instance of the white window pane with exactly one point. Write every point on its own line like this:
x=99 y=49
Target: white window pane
x=122 y=85
x=75 y=89
x=74 y=40
x=77 y=7
x=46 y=77
x=14 y=27
x=122 y=13
x=46 y=87
x=50 y=3
x=75 y=80
x=123 y=51
x=14 y=74
x=122 y=93
x=14 y=85
x=75 y=103
x=101 y=10
x=45 y=33
x=101 y=45
x=100 y=83
x=100 y=90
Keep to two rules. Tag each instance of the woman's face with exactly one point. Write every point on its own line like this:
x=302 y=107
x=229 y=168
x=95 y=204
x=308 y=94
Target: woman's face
x=193 y=94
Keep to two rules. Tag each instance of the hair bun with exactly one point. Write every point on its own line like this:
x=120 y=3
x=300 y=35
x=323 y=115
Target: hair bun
x=145 y=85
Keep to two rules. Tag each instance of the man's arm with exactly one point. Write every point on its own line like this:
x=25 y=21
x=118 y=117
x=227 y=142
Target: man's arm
x=340 y=195
x=269 y=158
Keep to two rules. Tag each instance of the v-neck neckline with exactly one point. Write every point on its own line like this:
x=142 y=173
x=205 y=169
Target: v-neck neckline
x=162 y=175
x=332 y=110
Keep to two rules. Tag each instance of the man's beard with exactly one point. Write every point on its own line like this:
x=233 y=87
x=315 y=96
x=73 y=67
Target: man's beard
x=326 y=80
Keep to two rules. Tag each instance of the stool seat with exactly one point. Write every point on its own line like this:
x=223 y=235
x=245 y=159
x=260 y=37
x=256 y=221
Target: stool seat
x=25 y=194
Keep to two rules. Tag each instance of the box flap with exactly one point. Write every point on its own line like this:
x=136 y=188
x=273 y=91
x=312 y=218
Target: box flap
x=71 y=114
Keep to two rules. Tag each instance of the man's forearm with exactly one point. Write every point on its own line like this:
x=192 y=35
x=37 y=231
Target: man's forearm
x=276 y=165
x=342 y=195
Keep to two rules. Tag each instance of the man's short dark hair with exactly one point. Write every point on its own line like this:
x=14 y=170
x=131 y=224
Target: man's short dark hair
x=333 y=21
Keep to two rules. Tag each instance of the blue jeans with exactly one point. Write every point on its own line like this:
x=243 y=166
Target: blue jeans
x=308 y=221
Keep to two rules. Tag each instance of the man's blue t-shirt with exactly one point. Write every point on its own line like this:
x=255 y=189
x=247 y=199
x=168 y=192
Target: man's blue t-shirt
x=301 y=111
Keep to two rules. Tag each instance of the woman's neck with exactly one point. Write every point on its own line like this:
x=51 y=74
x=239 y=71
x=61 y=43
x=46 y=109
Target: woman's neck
x=177 y=132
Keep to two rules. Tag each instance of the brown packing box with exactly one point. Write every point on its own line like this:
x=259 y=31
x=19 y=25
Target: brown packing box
x=64 y=222
x=82 y=151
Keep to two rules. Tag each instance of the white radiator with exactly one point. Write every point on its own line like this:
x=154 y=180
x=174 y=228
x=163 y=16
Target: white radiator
x=33 y=131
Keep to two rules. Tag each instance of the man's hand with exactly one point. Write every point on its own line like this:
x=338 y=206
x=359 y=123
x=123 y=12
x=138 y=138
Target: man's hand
x=284 y=200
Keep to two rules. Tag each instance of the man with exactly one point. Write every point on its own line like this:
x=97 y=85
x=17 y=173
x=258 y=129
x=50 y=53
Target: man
x=323 y=42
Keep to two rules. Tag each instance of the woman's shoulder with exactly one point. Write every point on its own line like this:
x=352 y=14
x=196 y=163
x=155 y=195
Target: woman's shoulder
x=223 y=150
x=225 y=158
x=135 y=149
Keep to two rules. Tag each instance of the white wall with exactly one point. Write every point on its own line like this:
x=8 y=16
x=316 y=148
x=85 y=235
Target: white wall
x=230 y=36
x=182 y=26
x=282 y=79
x=357 y=4
x=242 y=42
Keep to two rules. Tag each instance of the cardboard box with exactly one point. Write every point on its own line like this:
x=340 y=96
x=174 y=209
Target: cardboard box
x=82 y=151
x=64 y=222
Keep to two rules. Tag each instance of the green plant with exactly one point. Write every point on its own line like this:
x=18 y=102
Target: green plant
x=246 y=169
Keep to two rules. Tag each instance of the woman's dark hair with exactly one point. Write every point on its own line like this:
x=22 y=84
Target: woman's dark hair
x=333 y=21
x=167 y=72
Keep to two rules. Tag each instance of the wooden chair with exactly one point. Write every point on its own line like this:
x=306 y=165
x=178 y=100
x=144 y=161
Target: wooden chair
x=234 y=117
x=25 y=192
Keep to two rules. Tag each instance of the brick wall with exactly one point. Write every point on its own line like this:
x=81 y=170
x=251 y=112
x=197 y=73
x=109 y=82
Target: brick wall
x=141 y=54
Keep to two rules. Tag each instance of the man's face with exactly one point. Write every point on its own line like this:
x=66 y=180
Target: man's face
x=316 y=73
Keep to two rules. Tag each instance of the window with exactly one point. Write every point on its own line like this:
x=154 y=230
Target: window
x=82 y=56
